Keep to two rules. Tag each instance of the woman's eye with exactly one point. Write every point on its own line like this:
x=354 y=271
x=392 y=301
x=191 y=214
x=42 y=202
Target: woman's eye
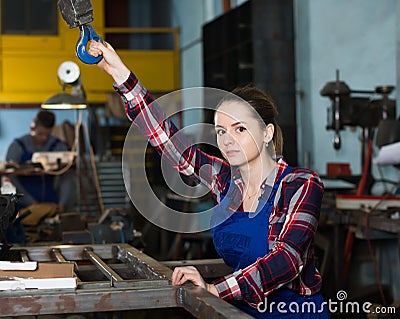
x=241 y=129
x=219 y=132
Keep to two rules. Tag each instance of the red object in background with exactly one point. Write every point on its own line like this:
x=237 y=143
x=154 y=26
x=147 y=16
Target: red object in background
x=348 y=247
x=226 y=5
x=338 y=169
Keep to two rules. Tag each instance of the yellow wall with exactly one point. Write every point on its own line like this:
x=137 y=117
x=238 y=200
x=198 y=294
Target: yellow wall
x=28 y=64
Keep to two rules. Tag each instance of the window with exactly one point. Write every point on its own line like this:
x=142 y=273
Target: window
x=28 y=17
x=123 y=13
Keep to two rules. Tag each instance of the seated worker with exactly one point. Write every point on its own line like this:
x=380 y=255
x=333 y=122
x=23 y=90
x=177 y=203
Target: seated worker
x=40 y=188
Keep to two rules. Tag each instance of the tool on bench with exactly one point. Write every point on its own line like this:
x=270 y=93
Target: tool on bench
x=79 y=13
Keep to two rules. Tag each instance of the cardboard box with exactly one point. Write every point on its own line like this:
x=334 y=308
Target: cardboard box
x=46 y=275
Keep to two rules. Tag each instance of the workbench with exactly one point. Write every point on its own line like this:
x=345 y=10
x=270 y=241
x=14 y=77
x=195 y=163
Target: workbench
x=114 y=277
x=374 y=221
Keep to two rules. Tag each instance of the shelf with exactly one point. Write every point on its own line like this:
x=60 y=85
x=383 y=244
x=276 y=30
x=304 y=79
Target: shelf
x=254 y=44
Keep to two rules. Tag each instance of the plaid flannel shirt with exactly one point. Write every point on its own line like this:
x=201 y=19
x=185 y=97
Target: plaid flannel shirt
x=293 y=220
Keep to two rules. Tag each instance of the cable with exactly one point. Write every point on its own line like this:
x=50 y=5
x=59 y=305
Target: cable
x=94 y=169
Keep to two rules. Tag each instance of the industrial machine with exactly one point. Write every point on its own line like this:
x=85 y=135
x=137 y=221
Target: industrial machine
x=53 y=160
x=366 y=109
x=357 y=107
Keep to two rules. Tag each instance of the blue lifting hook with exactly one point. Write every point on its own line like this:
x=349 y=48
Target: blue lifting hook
x=87 y=33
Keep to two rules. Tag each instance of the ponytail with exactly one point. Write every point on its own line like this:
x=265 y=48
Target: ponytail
x=278 y=140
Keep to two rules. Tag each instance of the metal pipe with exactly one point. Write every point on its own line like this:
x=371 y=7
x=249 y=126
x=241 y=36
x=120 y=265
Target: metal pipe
x=70 y=252
x=57 y=255
x=60 y=258
x=102 y=266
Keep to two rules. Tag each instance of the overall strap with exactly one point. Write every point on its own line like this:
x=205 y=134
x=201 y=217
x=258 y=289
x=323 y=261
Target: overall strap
x=51 y=148
x=26 y=154
x=270 y=202
x=287 y=170
x=20 y=143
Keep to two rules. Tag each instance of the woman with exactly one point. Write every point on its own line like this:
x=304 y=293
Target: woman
x=267 y=212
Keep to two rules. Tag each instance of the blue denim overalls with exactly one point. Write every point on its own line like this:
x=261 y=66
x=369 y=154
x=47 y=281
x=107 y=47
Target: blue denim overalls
x=243 y=237
x=40 y=187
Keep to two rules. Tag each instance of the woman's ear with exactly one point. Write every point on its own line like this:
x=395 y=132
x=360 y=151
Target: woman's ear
x=269 y=133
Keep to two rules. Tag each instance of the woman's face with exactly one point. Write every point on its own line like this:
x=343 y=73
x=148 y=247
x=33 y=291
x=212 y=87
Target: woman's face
x=240 y=137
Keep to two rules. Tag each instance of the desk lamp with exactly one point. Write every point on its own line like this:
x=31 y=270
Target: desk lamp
x=69 y=76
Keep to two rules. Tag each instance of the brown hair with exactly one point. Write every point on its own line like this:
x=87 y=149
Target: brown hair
x=44 y=118
x=263 y=104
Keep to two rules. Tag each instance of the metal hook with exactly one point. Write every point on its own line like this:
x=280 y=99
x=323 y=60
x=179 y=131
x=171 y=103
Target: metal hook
x=87 y=33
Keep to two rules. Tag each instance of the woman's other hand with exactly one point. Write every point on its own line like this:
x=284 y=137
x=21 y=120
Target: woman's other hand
x=190 y=273
x=111 y=62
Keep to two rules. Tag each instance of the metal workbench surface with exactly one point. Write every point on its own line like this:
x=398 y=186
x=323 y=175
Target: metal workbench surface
x=114 y=277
